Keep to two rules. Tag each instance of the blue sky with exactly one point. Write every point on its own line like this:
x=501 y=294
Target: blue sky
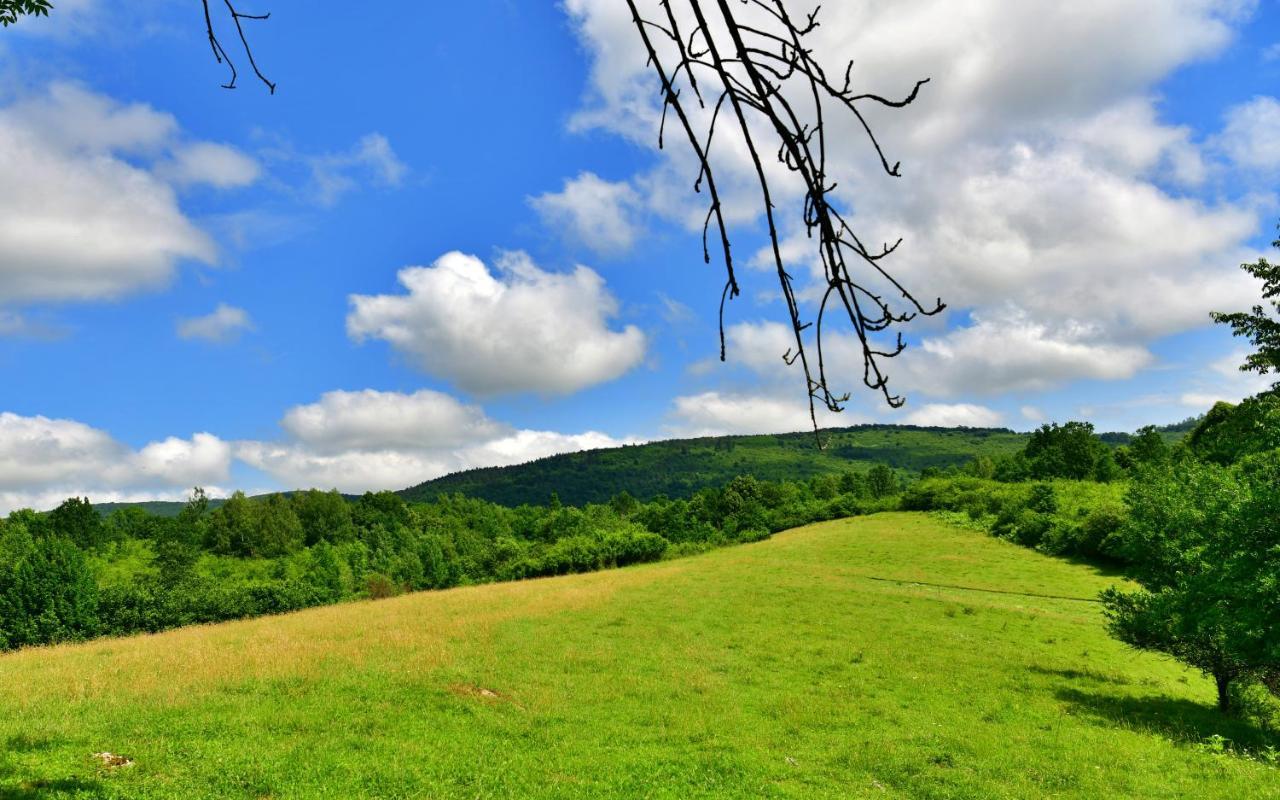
x=182 y=266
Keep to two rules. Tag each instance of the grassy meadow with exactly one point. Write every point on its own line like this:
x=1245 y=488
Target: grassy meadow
x=891 y=656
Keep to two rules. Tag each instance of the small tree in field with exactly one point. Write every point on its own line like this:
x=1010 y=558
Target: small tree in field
x=1205 y=544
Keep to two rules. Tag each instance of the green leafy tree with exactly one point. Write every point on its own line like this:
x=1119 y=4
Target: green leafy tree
x=1067 y=451
x=1261 y=328
x=1148 y=447
x=1204 y=545
x=278 y=531
x=10 y=10
x=131 y=522
x=230 y=530
x=47 y=592
x=881 y=481
x=325 y=516
x=1230 y=432
x=77 y=520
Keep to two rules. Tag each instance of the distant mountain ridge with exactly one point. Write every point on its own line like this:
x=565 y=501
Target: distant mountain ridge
x=680 y=467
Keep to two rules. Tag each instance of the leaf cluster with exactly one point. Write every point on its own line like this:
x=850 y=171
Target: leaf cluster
x=11 y=10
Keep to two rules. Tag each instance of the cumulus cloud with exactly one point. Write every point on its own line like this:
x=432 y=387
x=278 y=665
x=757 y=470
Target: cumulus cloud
x=601 y=214
x=960 y=415
x=372 y=420
x=721 y=413
x=1013 y=352
x=1072 y=208
x=224 y=324
x=88 y=208
x=43 y=461
x=521 y=329
x=370 y=441
x=1251 y=137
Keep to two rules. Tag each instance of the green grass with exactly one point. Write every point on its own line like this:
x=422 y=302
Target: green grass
x=839 y=660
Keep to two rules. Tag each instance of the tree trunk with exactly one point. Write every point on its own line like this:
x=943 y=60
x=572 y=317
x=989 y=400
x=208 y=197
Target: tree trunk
x=1224 y=696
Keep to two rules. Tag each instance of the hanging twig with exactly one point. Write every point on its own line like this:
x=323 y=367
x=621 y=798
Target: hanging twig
x=757 y=72
x=220 y=54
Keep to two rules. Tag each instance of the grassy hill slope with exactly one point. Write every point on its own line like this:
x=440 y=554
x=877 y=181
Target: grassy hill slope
x=838 y=660
x=678 y=468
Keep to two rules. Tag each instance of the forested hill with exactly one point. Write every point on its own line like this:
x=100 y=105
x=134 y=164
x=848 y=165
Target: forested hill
x=679 y=468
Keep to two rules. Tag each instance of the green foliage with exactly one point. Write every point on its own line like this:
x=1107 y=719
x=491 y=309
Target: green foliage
x=1069 y=518
x=47 y=593
x=881 y=482
x=1257 y=325
x=679 y=469
x=76 y=520
x=1148 y=447
x=1228 y=433
x=324 y=516
x=1205 y=548
x=1043 y=499
x=10 y=10
x=248 y=528
x=1069 y=451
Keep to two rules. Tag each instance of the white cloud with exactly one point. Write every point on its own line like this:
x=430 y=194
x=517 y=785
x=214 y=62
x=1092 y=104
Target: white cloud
x=1047 y=209
x=1013 y=352
x=1008 y=351
x=372 y=420
x=522 y=330
x=1032 y=414
x=43 y=461
x=87 y=209
x=719 y=414
x=599 y=213
x=959 y=415
x=217 y=165
x=224 y=324
x=370 y=440
x=371 y=159
x=203 y=458
x=1251 y=137
x=1223 y=381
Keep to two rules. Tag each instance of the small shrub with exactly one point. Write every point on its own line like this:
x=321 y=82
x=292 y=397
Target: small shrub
x=1044 y=499
x=379 y=586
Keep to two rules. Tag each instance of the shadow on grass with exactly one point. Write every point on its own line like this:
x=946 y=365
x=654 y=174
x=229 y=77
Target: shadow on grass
x=1076 y=675
x=51 y=788
x=1182 y=721
x=23 y=743
x=30 y=789
x=1099 y=566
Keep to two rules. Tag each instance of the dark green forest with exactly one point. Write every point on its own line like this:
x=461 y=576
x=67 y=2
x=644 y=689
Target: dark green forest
x=680 y=468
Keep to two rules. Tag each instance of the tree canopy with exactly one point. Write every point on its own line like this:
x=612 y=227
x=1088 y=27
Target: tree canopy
x=1261 y=328
x=1203 y=543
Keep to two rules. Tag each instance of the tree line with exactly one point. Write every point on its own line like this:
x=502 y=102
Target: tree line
x=72 y=574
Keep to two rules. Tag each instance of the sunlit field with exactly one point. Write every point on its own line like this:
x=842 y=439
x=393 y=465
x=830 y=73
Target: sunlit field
x=887 y=656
